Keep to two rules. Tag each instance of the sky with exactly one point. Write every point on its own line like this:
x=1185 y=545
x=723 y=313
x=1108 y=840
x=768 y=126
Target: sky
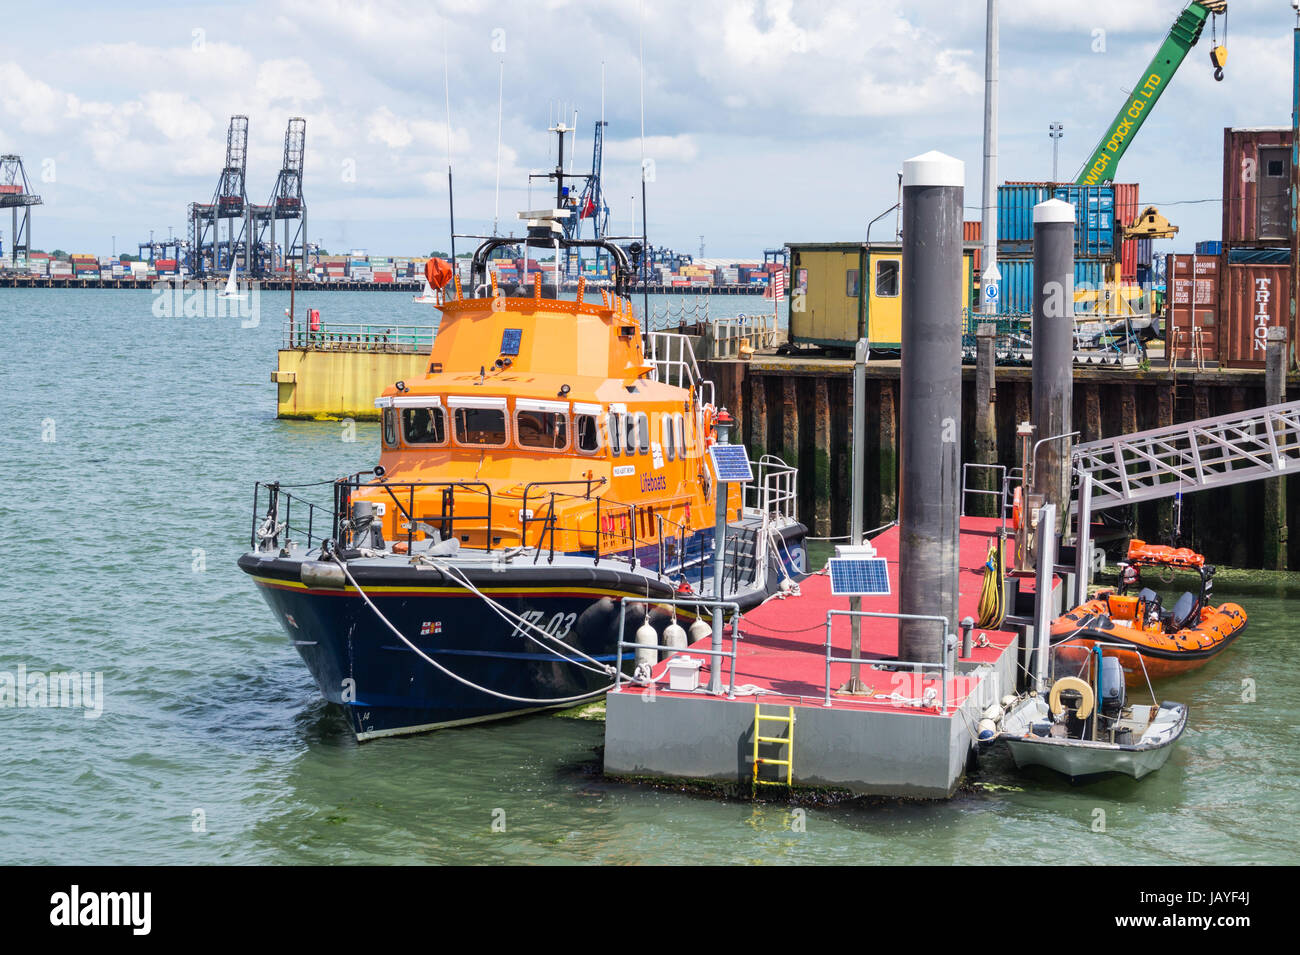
x=765 y=121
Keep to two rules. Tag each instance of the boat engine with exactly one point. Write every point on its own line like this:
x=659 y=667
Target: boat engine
x=1113 y=695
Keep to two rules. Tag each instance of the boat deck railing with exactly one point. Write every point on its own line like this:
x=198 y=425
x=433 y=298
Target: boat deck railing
x=673 y=358
x=464 y=509
x=299 y=335
x=774 y=492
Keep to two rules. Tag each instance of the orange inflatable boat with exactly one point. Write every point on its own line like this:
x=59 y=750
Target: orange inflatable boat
x=1170 y=640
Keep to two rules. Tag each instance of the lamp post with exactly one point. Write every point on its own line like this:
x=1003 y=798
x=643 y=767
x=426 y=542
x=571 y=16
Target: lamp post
x=1056 y=131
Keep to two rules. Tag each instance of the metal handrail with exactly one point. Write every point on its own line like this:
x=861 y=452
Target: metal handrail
x=944 y=667
x=967 y=489
x=706 y=602
x=336 y=336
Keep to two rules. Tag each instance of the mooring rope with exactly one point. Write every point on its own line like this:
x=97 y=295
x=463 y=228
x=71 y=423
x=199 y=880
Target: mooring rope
x=456 y=676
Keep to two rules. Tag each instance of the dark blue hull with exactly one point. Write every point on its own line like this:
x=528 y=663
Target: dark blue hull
x=388 y=689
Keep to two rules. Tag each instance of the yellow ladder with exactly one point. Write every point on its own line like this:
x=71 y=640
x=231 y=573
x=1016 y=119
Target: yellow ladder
x=787 y=741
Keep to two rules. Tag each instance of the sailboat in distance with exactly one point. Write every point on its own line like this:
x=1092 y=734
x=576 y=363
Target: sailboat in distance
x=232 y=288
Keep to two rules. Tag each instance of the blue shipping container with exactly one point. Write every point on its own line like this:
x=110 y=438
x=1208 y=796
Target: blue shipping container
x=1016 y=211
x=1209 y=247
x=1018 y=280
x=1094 y=227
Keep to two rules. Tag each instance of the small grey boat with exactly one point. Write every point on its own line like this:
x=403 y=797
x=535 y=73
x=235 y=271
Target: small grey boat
x=1086 y=726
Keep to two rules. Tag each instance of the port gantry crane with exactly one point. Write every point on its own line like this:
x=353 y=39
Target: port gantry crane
x=16 y=196
x=285 y=205
x=591 y=202
x=229 y=203
x=1101 y=165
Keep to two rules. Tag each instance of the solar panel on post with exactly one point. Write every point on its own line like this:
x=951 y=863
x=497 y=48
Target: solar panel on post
x=731 y=462
x=863 y=576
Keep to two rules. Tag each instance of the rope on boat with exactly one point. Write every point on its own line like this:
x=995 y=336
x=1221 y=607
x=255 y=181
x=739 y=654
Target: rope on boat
x=508 y=615
x=456 y=676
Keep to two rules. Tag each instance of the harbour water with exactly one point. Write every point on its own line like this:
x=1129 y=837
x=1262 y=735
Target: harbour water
x=132 y=442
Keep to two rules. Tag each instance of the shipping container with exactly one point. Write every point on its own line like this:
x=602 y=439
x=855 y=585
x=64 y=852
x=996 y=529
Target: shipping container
x=1128 y=260
x=1259 y=256
x=1144 y=253
x=1091 y=276
x=1094 y=225
x=1016 y=203
x=1127 y=208
x=1193 y=318
x=1209 y=247
x=1256 y=298
x=1256 y=186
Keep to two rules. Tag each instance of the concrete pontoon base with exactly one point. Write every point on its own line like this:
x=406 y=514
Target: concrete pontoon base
x=883 y=743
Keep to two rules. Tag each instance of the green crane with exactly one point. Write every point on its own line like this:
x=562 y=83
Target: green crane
x=1100 y=167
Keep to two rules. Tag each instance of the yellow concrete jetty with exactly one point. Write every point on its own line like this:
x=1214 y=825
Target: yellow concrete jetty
x=336 y=371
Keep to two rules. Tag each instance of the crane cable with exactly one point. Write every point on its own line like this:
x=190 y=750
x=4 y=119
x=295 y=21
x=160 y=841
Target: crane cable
x=991 y=610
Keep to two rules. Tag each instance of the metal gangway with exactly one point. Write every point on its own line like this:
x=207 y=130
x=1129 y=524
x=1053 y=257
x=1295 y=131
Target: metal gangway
x=1211 y=452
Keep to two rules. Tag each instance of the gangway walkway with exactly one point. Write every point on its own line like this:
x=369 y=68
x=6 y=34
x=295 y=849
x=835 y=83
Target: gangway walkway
x=1211 y=452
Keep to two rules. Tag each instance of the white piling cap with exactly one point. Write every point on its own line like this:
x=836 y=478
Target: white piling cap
x=1054 y=210
x=934 y=169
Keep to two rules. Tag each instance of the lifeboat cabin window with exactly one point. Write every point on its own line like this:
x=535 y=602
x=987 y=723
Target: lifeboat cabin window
x=542 y=424
x=480 y=424
x=586 y=427
x=423 y=426
x=629 y=433
x=666 y=436
x=390 y=427
x=614 y=434
x=679 y=426
x=643 y=432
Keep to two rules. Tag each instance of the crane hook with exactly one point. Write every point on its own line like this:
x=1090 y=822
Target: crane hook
x=1218 y=57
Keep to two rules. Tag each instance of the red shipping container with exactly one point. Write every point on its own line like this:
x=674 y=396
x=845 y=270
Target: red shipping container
x=1256 y=187
x=1194 y=315
x=1126 y=205
x=1128 y=260
x=1255 y=299
x=10 y=190
x=383 y=278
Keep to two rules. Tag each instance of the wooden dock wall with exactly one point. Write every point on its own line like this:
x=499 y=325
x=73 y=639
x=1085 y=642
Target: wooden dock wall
x=800 y=409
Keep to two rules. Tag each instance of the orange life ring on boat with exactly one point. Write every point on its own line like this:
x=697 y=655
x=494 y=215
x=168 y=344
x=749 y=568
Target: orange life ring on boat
x=710 y=424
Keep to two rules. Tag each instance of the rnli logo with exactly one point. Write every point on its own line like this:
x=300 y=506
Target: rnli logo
x=654 y=482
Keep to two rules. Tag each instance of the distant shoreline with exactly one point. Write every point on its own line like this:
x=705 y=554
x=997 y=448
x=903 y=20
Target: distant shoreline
x=280 y=285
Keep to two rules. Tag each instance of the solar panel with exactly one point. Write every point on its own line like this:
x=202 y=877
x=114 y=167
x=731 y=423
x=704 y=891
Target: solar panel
x=510 y=340
x=731 y=462
x=859 y=575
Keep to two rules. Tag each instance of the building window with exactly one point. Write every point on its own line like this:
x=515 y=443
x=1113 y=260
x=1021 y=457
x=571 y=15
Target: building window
x=851 y=283
x=1275 y=167
x=481 y=427
x=542 y=429
x=887 y=278
x=423 y=426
